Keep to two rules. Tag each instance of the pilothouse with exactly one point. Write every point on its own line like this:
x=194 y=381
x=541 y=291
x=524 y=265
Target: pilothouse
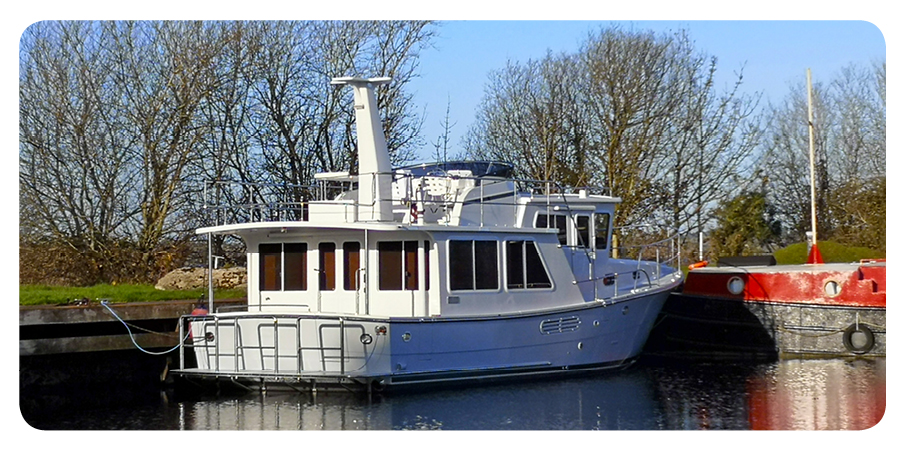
x=428 y=273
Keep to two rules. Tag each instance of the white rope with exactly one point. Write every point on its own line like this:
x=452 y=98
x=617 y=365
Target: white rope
x=104 y=303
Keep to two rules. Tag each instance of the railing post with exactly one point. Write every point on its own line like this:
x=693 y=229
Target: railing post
x=342 y=347
x=181 y=344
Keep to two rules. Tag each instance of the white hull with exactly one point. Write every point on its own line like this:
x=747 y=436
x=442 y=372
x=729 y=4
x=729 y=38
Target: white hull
x=309 y=351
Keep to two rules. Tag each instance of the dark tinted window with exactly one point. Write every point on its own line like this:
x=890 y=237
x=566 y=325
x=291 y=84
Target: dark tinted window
x=390 y=265
x=461 y=265
x=487 y=274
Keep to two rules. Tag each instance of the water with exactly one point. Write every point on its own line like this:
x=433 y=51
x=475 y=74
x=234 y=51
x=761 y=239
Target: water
x=833 y=394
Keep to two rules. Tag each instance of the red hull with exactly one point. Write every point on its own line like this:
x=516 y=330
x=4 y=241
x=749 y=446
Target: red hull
x=855 y=285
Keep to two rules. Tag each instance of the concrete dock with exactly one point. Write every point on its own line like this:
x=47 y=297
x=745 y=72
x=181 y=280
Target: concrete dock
x=47 y=330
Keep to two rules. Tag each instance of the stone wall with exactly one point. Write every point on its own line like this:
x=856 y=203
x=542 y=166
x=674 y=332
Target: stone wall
x=196 y=278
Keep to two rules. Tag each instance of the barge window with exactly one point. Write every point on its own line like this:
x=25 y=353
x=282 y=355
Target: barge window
x=524 y=267
x=602 y=232
x=327 y=274
x=398 y=265
x=557 y=221
x=473 y=265
x=351 y=264
x=283 y=267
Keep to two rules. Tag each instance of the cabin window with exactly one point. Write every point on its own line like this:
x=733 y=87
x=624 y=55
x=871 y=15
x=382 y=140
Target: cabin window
x=557 y=221
x=473 y=265
x=295 y=257
x=398 y=265
x=524 y=267
x=583 y=231
x=602 y=230
x=427 y=265
x=283 y=267
x=351 y=264
x=327 y=273
x=271 y=256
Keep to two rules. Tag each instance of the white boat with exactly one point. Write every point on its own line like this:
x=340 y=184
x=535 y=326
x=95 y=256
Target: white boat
x=431 y=273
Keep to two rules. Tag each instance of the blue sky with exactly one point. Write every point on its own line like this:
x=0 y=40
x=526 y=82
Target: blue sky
x=775 y=55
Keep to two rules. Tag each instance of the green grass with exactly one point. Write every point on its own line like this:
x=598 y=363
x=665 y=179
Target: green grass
x=123 y=293
x=831 y=252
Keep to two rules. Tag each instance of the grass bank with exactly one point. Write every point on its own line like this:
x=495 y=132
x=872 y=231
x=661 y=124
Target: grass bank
x=30 y=295
x=832 y=252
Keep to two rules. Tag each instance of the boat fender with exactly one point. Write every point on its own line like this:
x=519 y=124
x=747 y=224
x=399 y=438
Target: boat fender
x=698 y=265
x=863 y=344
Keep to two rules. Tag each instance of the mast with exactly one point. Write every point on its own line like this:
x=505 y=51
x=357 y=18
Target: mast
x=814 y=256
x=813 y=184
x=374 y=169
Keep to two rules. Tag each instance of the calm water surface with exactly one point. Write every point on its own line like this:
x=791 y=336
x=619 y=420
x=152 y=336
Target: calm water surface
x=663 y=395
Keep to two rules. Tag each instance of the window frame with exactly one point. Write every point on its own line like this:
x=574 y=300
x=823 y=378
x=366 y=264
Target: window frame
x=524 y=269
x=407 y=263
x=607 y=231
x=475 y=264
x=280 y=265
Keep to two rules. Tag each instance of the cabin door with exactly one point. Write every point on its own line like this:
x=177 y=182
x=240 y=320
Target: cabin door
x=339 y=273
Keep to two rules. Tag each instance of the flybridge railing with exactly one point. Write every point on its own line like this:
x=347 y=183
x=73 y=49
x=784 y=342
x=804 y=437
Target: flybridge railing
x=226 y=201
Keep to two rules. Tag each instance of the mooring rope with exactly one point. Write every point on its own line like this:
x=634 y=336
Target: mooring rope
x=129 y=329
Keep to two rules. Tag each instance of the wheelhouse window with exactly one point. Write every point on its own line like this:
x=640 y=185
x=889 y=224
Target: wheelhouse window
x=583 y=231
x=398 y=265
x=557 y=221
x=524 y=267
x=283 y=267
x=473 y=265
x=602 y=230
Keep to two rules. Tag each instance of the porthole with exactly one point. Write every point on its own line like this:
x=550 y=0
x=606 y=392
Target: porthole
x=832 y=288
x=735 y=285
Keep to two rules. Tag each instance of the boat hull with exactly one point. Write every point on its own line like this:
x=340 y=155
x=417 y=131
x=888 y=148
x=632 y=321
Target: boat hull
x=697 y=326
x=828 y=310
x=352 y=352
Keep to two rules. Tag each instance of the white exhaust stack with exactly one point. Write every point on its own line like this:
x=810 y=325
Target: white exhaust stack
x=374 y=171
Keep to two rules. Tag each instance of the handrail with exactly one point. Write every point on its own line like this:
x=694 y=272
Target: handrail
x=238 y=353
x=289 y=201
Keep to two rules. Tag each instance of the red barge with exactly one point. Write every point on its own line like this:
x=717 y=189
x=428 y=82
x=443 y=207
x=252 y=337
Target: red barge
x=776 y=311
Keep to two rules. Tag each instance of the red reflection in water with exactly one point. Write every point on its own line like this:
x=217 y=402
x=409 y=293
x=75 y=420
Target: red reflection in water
x=817 y=395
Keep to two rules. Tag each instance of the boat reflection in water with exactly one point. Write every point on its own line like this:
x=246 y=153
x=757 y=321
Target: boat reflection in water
x=816 y=395
x=835 y=394
x=601 y=402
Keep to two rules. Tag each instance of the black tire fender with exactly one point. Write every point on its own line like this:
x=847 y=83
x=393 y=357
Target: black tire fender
x=864 y=347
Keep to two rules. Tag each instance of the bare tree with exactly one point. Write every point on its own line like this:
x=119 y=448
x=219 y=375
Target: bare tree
x=850 y=149
x=636 y=112
x=74 y=160
x=120 y=123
